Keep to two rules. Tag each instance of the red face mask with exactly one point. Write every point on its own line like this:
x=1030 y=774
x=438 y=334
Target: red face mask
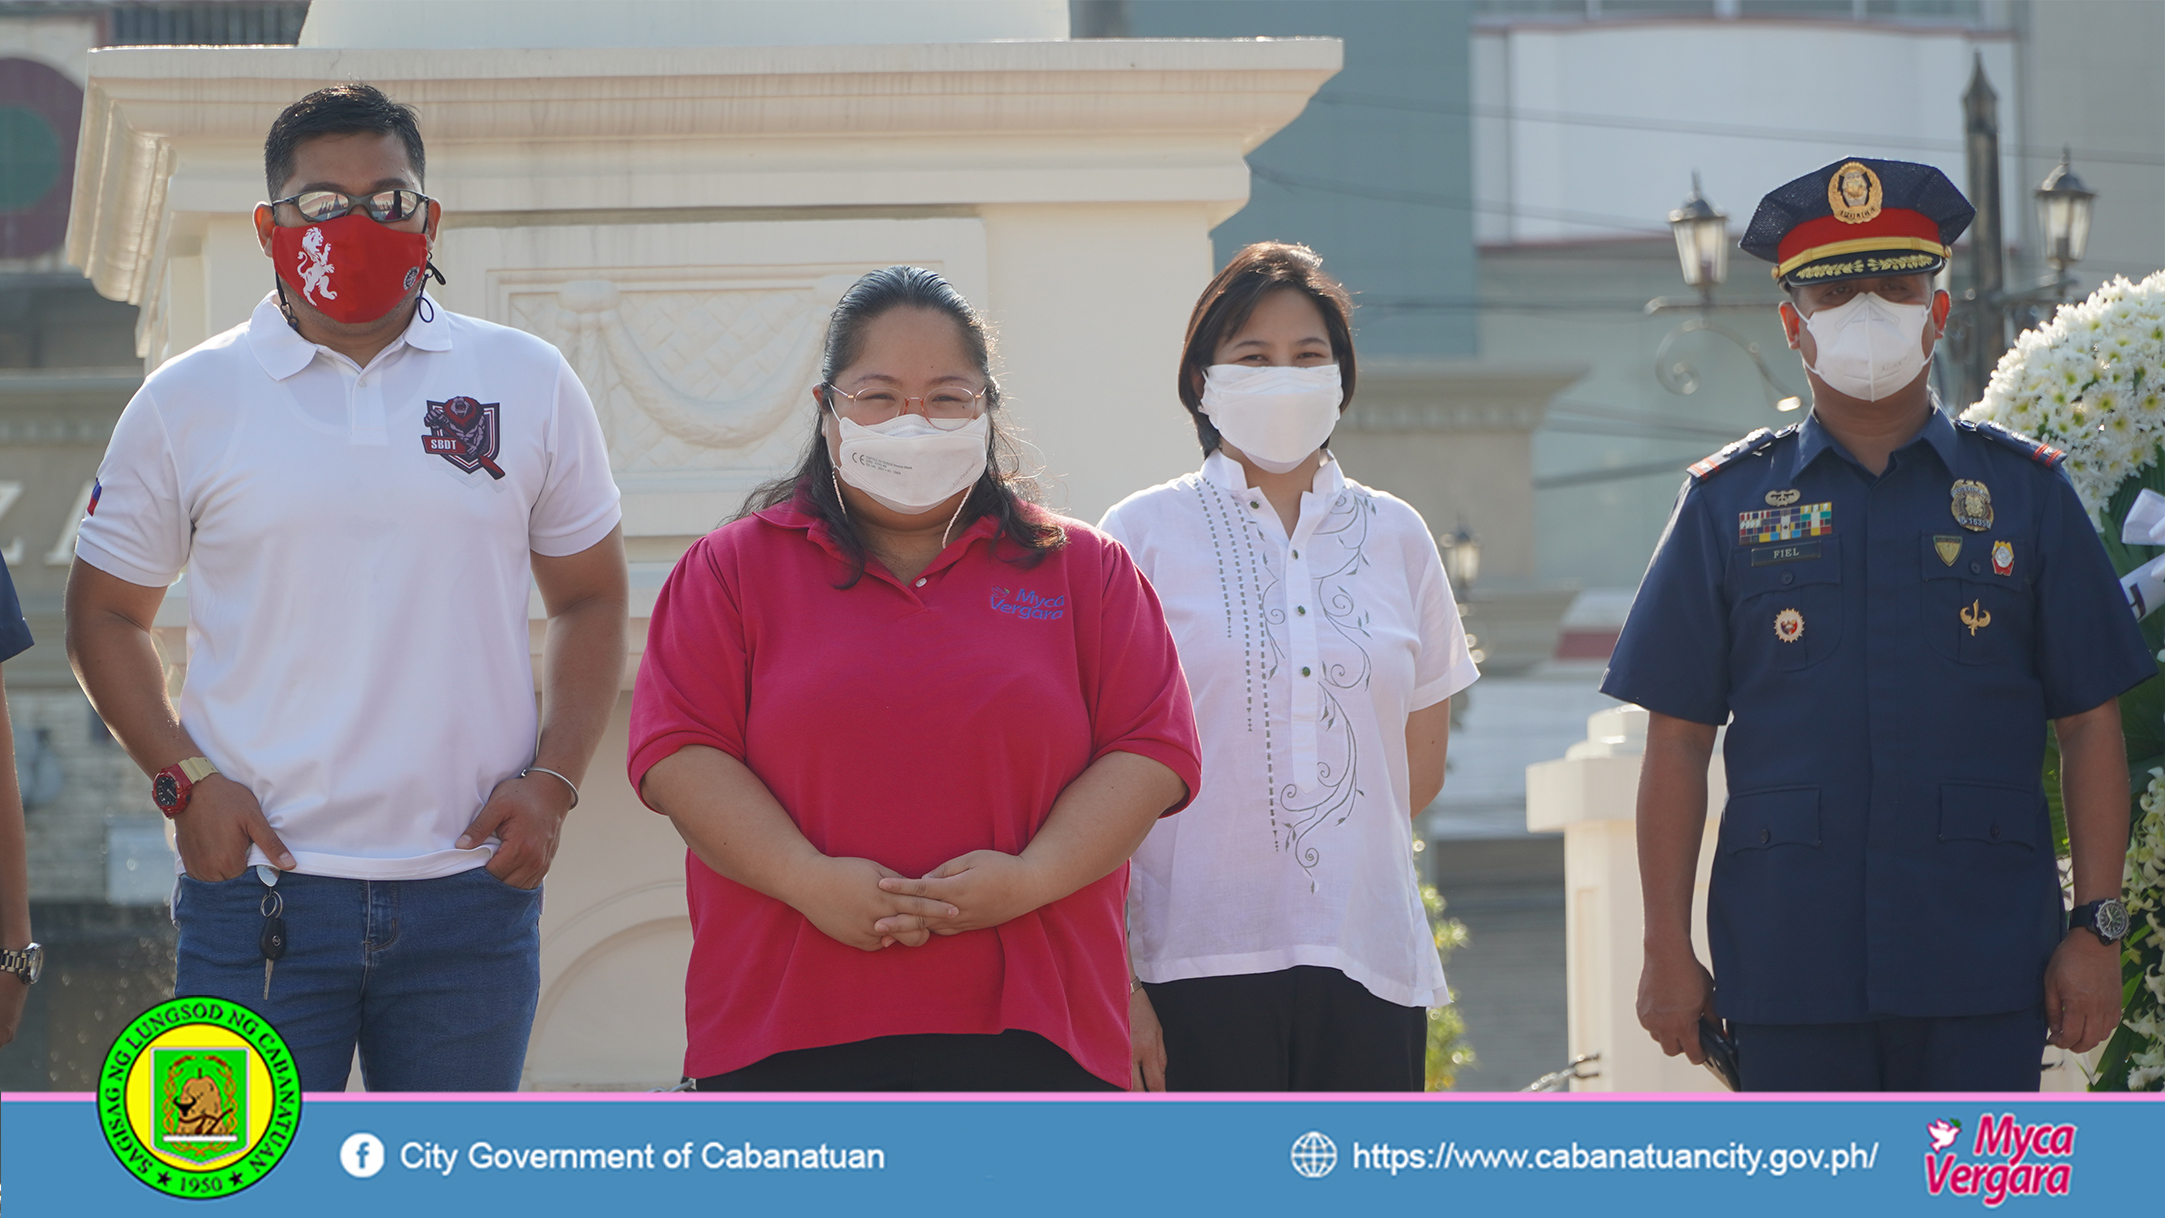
x=351 y=269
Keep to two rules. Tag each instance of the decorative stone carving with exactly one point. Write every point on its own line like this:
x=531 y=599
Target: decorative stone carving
x=686 y=374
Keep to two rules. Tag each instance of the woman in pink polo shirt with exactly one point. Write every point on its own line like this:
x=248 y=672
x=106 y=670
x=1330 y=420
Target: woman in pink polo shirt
x=911 y=727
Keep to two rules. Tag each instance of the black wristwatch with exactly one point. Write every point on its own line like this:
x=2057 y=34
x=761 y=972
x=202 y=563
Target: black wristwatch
x=27 y=963
x=2107 y=919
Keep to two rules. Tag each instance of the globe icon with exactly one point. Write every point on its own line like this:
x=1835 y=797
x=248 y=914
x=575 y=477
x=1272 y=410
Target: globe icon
x=1314 y=1155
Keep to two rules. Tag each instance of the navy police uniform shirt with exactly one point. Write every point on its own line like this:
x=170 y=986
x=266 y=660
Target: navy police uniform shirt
x=1886 y=652
x=14 y=631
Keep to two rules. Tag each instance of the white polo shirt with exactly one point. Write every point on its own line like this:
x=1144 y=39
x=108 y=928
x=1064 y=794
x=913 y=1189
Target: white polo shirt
x=356 y=541
x=1305 y=653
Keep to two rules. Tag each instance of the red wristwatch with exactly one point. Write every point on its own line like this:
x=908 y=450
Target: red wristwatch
x=172 y=786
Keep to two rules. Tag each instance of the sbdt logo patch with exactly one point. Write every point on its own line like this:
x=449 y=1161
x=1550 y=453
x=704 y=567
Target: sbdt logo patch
x=465 y=433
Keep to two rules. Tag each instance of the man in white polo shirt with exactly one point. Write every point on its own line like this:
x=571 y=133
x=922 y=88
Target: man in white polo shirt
x=358 y=484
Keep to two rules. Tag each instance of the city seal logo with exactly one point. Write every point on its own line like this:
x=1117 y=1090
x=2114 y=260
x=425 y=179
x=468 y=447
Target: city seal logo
x=463 y=432
x=1314 y=1155
x=199 y=1097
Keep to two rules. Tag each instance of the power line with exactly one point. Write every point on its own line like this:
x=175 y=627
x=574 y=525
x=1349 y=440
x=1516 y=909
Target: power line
x=1589 y=419
x=1730 y=130
x=1588 y=477
x=1619 y=310
x=1424 y=198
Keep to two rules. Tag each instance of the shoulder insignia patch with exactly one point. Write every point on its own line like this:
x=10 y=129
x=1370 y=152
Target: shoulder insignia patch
x=2036 y=450
x=1707 y=466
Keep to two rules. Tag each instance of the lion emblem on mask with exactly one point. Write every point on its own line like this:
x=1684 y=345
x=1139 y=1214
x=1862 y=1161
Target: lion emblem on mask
x=315 y=265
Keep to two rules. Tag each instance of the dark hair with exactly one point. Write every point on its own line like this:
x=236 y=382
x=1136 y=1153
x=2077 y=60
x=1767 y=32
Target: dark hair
x=1002 y=492
x=1255 y=272
x=349 y=109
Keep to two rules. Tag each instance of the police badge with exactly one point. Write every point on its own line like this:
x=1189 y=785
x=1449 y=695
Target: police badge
x=463 y=432
x=1788 y=625
x=1972 y=505
x=1854 y=193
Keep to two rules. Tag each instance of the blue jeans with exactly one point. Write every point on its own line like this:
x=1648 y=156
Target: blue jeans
x=434 y=980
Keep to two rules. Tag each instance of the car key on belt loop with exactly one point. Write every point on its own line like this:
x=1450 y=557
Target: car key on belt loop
x=274 y=935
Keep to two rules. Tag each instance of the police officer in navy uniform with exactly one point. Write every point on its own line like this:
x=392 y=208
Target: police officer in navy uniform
x=1887 y=606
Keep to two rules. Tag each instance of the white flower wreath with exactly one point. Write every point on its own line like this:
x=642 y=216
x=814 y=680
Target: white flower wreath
x=2092 y=382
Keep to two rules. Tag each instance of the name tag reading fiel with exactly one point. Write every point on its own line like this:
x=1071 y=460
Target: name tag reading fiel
x=1767 y=555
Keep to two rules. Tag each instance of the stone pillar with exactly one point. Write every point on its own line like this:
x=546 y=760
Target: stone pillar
x=678 y=220
x=1591 y=795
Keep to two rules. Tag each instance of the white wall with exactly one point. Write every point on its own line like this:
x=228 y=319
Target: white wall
x=1592 y=130
x=59 y=40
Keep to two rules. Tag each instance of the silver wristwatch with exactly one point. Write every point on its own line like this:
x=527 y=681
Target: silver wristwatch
x=2107 y=919
x=28 y=964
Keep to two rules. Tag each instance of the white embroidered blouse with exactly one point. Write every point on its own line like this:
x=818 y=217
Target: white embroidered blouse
x=1305 y=654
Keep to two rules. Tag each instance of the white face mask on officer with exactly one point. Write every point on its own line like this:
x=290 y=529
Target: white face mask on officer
x=1868 y=348
x=909 y=463
x=1277 y=416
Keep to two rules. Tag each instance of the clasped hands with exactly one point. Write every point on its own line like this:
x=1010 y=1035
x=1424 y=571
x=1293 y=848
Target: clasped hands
x=868 y=906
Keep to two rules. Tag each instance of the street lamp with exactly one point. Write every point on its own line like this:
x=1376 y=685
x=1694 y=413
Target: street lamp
x=1461 y=559
x=2063 y=216
x=1702 y=250
x=1988 y=314
x=1702 y=241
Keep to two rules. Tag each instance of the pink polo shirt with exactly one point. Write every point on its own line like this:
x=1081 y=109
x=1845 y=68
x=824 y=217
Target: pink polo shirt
x=908 y=724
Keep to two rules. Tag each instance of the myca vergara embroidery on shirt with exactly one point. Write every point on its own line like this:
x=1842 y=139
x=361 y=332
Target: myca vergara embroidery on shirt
x=1028 y=605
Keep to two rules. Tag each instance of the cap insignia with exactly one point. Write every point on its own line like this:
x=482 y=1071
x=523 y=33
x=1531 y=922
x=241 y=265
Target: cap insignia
x=1853 y=193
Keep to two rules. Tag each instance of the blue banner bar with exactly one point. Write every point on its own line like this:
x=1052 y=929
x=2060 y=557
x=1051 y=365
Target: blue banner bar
x=595 y=1154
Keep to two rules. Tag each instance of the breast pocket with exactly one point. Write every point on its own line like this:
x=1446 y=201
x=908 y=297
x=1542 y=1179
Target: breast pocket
x=1787 y=614
x=1977 y=602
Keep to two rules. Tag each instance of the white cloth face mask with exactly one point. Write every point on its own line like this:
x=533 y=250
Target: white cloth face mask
x=1868 y=348
x=909 y=463
x=1277 y=416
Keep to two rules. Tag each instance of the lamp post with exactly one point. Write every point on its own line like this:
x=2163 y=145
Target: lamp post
x=2063 y=216
x=1461 y=552
x=1461 y=559
x=1702 y=252
x=1702 y=242
x=1988 y=316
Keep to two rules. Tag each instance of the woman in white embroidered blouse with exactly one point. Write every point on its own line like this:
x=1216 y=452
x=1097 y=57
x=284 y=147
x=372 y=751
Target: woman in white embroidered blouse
x=1275 y=926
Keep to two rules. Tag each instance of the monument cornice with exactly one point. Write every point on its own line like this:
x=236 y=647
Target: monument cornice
x=1097 y=121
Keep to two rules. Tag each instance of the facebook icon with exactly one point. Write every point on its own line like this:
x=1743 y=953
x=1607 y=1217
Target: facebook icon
x=362 y=1155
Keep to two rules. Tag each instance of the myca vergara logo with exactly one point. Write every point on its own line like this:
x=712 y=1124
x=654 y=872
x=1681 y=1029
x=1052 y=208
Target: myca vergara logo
x=2006 y=1159
x=1028 y=605
x=199 y=1097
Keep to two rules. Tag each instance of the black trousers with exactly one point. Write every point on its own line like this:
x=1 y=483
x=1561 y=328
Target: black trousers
x=1013 y=1060
x=1301 y=1029
x=1948 y=1053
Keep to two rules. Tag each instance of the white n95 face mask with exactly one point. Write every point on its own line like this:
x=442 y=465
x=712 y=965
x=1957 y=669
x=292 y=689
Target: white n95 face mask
x=1868 y=348
x=1275 y=415
x=909 y=464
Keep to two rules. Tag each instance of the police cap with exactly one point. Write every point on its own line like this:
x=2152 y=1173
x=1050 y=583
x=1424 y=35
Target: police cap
x=1859 y=217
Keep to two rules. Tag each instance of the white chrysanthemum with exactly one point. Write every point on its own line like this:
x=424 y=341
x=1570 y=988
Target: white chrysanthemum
x=2092 y=381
